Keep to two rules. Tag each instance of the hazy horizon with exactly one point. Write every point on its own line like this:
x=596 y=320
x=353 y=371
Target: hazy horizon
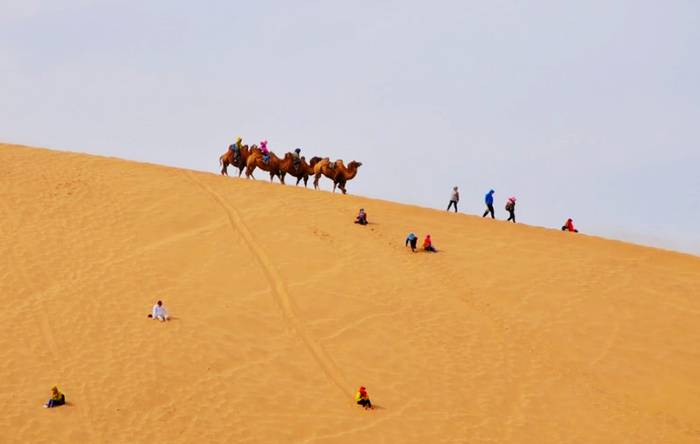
x=586 y=111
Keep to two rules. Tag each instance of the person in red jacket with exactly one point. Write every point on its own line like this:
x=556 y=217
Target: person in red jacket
x=362 y=398
x=428 y=245
x=569 y=226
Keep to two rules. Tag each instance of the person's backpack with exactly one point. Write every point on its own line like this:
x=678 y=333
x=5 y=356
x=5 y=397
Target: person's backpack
x=509 y=206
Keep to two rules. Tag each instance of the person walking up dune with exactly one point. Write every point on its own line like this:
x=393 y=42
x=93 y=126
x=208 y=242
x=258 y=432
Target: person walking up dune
x=488 y=199
x=454 y=198
x=510 y=208
x=413 y=240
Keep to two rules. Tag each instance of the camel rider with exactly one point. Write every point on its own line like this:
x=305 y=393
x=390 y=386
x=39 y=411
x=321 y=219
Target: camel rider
x=265 y=152
x=236 y=148
x=296 y=156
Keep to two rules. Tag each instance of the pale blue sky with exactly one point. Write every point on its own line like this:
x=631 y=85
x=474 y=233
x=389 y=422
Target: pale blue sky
x=581 y=109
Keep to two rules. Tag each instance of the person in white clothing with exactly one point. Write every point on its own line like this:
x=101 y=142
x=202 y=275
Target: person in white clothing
x=454 y=198
x=159 y=312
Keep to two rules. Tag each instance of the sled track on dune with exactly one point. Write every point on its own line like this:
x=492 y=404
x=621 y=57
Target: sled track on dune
x=279 y=290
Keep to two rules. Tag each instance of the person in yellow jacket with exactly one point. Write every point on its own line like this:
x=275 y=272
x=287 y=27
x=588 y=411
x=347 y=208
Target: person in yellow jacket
x=236 y=148
x=57 y=398
x=362 y=398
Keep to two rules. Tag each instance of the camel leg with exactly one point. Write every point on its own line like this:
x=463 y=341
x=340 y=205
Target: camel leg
x=306 y=179
x=316 y=179
x=298 y=180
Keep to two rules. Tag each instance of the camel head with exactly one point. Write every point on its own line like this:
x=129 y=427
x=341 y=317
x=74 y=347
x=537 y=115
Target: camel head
x=354 y=164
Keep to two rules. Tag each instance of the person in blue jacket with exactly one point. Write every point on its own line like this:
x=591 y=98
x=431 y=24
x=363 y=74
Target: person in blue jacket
x=489 y=204
x=413 y=240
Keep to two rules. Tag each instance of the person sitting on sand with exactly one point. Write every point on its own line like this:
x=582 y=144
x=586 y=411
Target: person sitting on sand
x=361 y=217
x=569 y=226
x=362 y=398
x=428 y=245
x=57 y=398
x=159 y=312
x=413 y=240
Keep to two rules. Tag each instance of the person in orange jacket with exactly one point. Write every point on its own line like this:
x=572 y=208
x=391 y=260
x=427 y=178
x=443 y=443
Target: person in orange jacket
x=428 y=244
x=362 y=398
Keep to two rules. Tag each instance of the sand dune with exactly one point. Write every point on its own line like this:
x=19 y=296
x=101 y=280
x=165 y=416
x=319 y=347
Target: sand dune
x=512 y=334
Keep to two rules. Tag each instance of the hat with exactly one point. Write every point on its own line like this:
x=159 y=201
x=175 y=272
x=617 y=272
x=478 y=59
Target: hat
x=297 y=150
x=238 y=139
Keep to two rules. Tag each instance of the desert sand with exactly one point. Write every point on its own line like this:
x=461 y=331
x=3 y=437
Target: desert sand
x=283 y=307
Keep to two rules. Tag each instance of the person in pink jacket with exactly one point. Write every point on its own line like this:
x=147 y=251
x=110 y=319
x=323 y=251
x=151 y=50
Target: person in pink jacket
x=265 y=152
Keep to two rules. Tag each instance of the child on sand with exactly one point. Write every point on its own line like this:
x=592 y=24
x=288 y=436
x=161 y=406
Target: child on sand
x=362 y=398
x=159 y=312
x=428 y=245
x=413 y=240
x=57 y=398
x=569 y=226
x=361 y=217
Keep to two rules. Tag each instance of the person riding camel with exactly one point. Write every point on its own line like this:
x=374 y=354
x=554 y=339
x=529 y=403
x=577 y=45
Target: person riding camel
x=236 y=148
x=265 y=152
x=296 y=156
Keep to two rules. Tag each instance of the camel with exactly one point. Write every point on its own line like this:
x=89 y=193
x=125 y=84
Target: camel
x=303 y=172
x=337 y=172
x=227 y=159
x=255 y=160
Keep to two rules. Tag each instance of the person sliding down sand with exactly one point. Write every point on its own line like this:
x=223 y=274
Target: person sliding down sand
x=428 y=245
x=362 y=398
x=413 y=240
x=569 y=226
x=57 y=398
x=361 y=217
x=159 y=312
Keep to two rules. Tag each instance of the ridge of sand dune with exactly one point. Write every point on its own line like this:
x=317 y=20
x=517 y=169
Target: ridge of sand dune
x=512 y=334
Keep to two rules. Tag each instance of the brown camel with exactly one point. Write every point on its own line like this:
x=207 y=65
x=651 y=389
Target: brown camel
x=344 y=174
x=255 y=160
x=303 y=171
x=227 y=159
x=336 y=171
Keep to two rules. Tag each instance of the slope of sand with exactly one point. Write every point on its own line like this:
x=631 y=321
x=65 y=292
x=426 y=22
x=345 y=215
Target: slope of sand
x=512 y=334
